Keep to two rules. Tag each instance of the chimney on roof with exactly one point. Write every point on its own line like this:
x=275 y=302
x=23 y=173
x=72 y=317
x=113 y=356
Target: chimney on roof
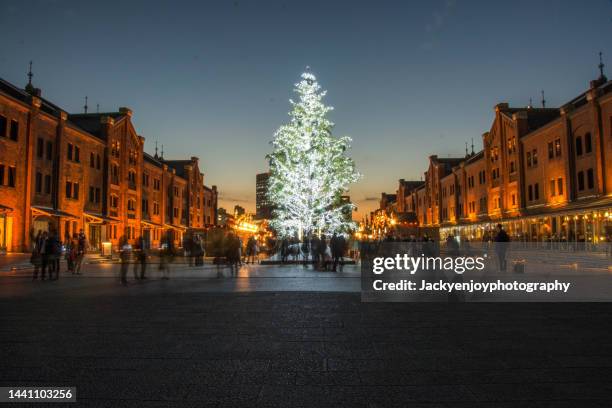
x=473 y=146
x=501 y=106
x=125 y=111
x=85 y=107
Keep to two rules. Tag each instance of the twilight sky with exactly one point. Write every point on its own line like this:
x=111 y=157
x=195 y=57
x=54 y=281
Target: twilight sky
x=213 y=78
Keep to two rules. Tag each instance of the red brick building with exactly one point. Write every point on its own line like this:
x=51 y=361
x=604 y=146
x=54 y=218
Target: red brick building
x=67 y=172
x=544 y=173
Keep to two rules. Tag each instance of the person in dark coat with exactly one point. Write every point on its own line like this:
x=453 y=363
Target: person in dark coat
x=251 y=249
x=36 y=258
x=141 y=259
x=188 y=248
x=81 y=249
x=44 y=256
x=233 y=253
x=322 y=252
x=125 y=253
x=452 y=246
x=198 y=248
x=53 y=250
x=166 y=255
x=337 y=245
x=314 y=249
x=501 y=246
x=305 y=247
x=284 y=250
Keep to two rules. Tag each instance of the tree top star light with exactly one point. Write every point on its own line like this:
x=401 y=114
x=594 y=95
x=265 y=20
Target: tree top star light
x=309 y=169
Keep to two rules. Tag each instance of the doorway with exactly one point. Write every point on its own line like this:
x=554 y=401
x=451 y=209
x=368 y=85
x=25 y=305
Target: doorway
x=94 y=236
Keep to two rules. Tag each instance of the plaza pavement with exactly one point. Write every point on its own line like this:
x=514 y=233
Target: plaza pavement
x=282 y=336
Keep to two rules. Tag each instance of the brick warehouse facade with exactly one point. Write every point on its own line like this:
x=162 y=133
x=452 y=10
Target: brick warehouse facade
x=544 y=173
x=70 y=171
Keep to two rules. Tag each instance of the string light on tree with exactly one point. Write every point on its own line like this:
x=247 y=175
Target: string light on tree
x=309 y=168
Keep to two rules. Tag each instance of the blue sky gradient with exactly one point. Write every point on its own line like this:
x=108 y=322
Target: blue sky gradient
x=213 y=78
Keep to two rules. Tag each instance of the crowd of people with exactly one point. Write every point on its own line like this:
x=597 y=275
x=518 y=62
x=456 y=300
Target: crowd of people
x=47 y=251
x=324 y=253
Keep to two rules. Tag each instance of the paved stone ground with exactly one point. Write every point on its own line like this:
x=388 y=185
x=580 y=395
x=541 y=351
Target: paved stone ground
x=173 y=348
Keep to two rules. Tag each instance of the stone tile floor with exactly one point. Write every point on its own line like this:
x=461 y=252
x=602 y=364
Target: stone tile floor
x=176 y=348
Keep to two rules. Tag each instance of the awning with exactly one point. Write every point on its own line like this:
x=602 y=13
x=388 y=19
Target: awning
x=51 y=212
x=151 y=223
x=4 y=208
x=585 y=204
x=97 y=218
x=175 y=227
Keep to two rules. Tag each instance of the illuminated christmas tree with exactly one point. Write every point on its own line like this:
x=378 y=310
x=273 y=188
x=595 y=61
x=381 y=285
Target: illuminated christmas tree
x=309 y=169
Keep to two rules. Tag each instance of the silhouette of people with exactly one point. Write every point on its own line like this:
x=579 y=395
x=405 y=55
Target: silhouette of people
x=337 y=245
x=44 y=256
x=233 y=253
x=305 y=251
x=188 y=248
x=198 y=248
x=501 y=246
x=315 y=242
x=81 y=249
x=452 y=246
x=251 y=249
x=284 y=249
x=141 y=258
x=322 y=251
x=53 y=250
x=125 y=252
x=166 y=255
x=72 y=247
x=36 y=258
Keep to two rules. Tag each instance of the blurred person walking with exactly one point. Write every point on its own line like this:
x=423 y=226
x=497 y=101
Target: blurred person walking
x=322 y=252
x=166 y=255
x=81 y=249
x=44 y=256
x=314 y=249
x=36 y=258
x=338 y=247
x=141 y=258
x=125 y=253
x=198 y=247
x=251 y=249
x=501 y=246
x=305 y=249
x=71 y=253
x=233 y=253
x=53 y=249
